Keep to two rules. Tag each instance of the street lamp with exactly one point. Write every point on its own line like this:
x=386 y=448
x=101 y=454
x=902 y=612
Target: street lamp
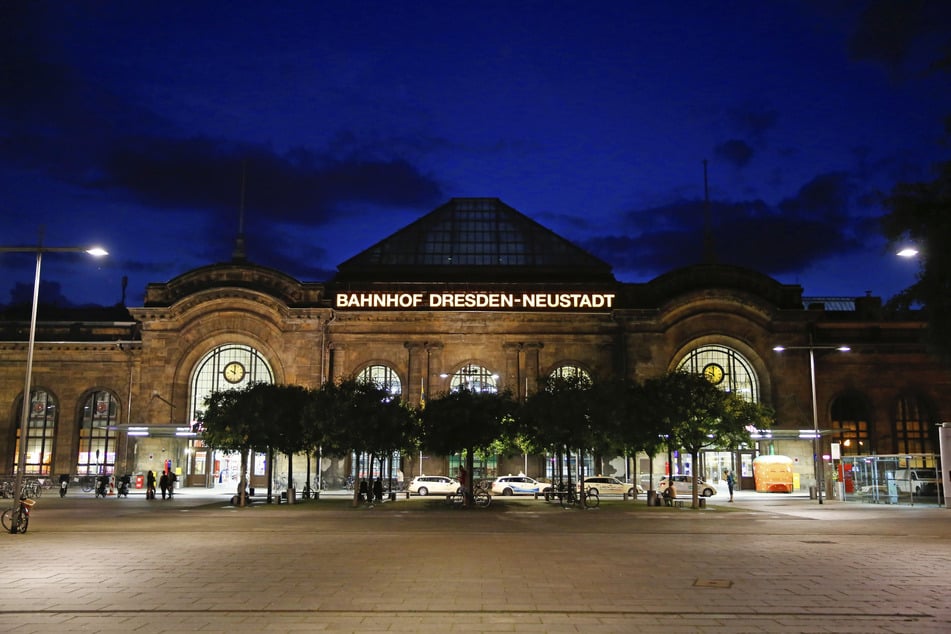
x=25 y=408
x=816 y=458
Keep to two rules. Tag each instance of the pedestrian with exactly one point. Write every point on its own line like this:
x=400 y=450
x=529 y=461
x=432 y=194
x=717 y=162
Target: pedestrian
x=172 y=479
x=163 y=484
x=464 y=481
x=730 y=482
x=150 y=485
x=364 y=491
x=378 y=489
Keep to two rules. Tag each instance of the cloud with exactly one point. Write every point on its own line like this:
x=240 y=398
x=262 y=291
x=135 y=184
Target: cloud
x=299 y=186
x=734 y=151
x=778 y=239
x=912 y=34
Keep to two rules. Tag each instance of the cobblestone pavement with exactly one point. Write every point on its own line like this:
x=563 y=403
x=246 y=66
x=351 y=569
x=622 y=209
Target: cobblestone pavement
x=763 y=564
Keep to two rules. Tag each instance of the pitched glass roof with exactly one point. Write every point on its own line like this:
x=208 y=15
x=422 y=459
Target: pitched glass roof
x=474 y=238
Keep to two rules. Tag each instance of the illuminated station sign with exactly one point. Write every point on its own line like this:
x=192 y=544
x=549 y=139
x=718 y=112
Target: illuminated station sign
x=473 y=300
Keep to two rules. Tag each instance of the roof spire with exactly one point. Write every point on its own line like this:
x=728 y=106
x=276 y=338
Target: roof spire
x=238 y=255
x=709 y=254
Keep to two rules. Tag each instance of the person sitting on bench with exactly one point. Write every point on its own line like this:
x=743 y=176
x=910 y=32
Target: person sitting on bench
x=670 y=494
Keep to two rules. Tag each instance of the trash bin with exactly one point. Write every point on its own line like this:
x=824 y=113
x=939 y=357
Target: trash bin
x=292 y=495
x=703 y=503
x=813 y=493
x=651 y=496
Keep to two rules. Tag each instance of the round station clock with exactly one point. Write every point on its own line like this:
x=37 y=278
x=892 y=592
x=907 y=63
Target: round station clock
x=713 y=373
x=234 y=372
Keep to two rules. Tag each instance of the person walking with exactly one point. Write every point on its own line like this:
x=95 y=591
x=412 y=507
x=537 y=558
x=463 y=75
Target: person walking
x=163 y=484
x=364 y=491
x=150 y=485
x=378 y=489
x=730 y=482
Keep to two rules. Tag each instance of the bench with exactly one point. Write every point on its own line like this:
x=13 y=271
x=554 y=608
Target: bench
x=678 y=503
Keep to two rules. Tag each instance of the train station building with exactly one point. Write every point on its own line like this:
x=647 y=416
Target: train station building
x=476 y=294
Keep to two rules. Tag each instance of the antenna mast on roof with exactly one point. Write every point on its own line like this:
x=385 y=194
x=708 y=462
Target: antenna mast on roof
x=709 y=256
x=238 y=255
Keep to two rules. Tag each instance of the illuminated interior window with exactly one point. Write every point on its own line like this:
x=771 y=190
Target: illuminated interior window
x=474 y=378
x=97 y=444
x=850 y=425
x=570 y=372
x=383 y=377
x=911 y=427
x=226 y=368
x=41 y=429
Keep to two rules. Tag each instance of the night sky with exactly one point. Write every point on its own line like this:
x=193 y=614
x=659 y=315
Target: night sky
x=130 y=125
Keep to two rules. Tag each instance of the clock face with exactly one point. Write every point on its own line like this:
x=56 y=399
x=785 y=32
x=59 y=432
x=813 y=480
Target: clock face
x=713 y=373
x=234 y=372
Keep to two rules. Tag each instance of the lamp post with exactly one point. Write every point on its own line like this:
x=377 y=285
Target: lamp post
x=816 y=458
x=26 y=406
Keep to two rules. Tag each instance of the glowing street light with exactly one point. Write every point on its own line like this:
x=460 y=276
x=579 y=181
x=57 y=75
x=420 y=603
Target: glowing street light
x=26 y=406
x=816 y=458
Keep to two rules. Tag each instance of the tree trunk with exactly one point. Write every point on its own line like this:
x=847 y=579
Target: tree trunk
x=243 y=480
x=694 y=458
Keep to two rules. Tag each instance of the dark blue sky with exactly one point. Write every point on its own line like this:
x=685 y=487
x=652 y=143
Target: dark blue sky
x=128 y=123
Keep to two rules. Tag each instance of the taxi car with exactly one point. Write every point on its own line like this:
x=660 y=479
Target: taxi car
x=609 y=485
x=438 y=485
x=518 y=485
x=684 y=484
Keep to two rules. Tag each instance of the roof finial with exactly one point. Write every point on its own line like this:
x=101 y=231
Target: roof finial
x=709 y=255
x=238 y=255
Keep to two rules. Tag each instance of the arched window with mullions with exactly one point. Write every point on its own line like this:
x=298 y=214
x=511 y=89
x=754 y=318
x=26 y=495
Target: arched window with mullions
x=224 y=368
x=570 y=372
x=726 y=368
x=911 y=426
x=97 y=442
x=40 y=432
x=474 y=378
x=850 y=424
x=383 y=377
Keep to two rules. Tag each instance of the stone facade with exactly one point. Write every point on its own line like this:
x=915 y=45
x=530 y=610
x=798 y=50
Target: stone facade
x=147 y=358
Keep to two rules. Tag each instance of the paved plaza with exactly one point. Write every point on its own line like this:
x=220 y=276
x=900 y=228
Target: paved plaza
x=196 y=564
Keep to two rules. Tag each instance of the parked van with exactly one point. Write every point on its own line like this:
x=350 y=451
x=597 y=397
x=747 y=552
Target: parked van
x=918 y=481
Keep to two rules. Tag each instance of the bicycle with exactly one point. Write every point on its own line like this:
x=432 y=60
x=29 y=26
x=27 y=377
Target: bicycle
x=16 y=520
x=481 y=498
x=569 y=498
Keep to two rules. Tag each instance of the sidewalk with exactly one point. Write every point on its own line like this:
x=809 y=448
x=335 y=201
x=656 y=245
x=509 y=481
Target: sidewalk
x=195 y=563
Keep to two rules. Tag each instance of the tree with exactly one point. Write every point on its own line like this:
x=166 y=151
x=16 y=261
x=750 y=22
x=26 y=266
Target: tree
x=921 y=213
x=468 y=421
x=697 y=414
x=231 y=422
x=361 y=417
x=560 y=417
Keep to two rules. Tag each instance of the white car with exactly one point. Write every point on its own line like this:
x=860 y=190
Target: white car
x=518 y=485
x=609 y=485
x=438 y=485
x=684 y=484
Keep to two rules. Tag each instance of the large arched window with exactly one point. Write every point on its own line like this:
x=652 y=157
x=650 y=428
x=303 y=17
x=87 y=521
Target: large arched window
x=850 y=424
x=474 y=378
x=97 y=444
x=726 y=368
x=227 y=367
x=911 y=427
x=384 y=377
x=41 y=429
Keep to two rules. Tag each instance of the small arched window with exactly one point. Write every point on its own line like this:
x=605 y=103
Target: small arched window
x=383 y=377
x=474 y=378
